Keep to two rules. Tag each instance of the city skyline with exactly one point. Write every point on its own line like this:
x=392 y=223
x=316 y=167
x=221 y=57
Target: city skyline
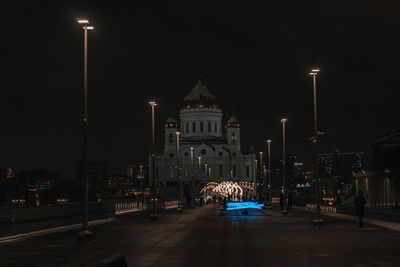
x=256 y=62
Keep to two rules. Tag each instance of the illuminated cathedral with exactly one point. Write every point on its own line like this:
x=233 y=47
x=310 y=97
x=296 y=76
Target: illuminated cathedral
x=209 y=149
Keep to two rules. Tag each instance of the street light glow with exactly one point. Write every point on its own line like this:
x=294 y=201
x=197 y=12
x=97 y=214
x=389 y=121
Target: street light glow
x=89 y=27
x=315 y=70
x=153 y=103
x=82 y=21
x=283 y=120
x=269 y=141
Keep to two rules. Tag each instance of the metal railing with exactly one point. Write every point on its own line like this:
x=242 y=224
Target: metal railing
x=132 y=206
x=327 y=209
x=124 y=207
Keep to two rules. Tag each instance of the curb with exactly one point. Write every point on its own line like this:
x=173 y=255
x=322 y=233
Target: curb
x=20 y=237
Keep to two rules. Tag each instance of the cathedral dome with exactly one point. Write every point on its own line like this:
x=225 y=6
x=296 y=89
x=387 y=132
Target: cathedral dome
x=200 y=97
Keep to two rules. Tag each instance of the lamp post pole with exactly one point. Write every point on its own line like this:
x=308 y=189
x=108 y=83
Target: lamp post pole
x=318 y=220
x=191 y=160
x=261 y=176
x=269 y=171
x=153 y=214
x=179 y=167
x=284 y=210
x=85 y=234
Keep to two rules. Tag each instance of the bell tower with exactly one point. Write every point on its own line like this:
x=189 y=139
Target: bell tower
x=170 y=129
x=233 y=132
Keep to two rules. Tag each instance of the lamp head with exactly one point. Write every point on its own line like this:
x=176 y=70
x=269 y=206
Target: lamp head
x=83 y=21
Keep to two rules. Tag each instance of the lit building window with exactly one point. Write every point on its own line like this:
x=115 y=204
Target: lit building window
x=171 y=172
x=186 y=171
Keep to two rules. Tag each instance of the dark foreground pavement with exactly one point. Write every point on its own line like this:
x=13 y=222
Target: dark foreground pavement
x=200 y=237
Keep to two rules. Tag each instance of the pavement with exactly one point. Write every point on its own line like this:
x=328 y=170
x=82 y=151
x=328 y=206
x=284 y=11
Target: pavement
x=390 y=225
x=200 y=237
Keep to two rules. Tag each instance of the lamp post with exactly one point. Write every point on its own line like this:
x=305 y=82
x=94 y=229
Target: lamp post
x=199 y=158
x=85 y=234
x=153 y=214
x=261 y=176
x=314 y=139
x=255 y=180
x=191 y=160
x=269 y=171
x=179 y=167
x=283 y=120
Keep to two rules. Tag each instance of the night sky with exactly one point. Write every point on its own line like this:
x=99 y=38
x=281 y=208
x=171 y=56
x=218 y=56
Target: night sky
x=255 y=59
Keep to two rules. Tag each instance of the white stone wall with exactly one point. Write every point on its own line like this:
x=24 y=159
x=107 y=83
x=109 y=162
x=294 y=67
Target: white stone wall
x=199 y=116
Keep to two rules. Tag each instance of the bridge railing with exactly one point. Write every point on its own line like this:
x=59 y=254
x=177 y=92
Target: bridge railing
x=128 y=206
x=327 y=209
x=122 y=207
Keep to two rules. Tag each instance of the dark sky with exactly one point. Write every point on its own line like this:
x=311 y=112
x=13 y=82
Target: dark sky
x=255 y=58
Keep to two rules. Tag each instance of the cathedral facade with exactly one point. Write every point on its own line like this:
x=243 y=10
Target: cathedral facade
x=209 y=149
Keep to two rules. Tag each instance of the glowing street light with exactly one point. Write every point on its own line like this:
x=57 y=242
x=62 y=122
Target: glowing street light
x=314 y=139
x=191 y=159
x=284 y=120
x=269 y=171
x=153 y=215
x=261 y=175
x=85 y=234
x=179 y=167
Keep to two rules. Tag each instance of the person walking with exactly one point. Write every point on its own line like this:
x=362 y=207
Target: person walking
x=282 y=200
x=359 y=203
x=290 y=201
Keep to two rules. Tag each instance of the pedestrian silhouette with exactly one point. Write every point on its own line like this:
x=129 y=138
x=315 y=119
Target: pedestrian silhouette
x=290 y=201
x=359 y=203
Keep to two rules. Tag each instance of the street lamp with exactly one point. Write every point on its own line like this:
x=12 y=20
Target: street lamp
x=314 y=139
x=261 y=175
x=179 y=166
x=153 y=214
x=269 y=171
x=85 y=234
x=284 y=120
x=191 y=160
x=199 y=158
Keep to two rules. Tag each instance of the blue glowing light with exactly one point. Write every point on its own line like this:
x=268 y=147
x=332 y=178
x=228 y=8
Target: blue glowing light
x=243 y=205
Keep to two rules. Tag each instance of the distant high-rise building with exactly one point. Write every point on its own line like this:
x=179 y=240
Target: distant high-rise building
x=338 y=168
x=96 y=170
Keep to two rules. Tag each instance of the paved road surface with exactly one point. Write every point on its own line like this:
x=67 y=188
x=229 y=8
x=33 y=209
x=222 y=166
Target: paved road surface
x=200 y=237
